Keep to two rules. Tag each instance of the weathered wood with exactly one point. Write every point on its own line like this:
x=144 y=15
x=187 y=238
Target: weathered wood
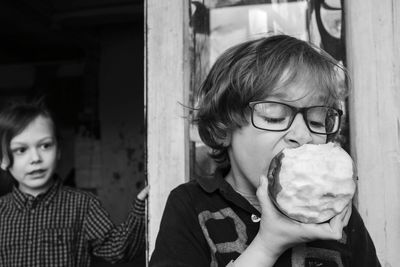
x=373 y=52
x=167 y=81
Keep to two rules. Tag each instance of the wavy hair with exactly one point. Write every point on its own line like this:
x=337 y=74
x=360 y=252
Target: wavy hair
x=254 y=70
x=14 y=118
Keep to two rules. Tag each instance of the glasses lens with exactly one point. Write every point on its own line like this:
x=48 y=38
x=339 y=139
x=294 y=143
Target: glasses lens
x=271 y=116
x=323 y=120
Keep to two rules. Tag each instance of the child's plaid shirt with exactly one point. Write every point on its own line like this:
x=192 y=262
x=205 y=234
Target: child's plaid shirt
x=64 y=227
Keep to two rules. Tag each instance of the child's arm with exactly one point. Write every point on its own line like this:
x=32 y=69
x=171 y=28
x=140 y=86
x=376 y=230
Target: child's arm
x=278 y=233
x=116 y=243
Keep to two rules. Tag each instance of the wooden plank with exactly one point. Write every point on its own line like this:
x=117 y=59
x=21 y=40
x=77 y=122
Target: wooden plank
x=373 y=43
x=167 y=82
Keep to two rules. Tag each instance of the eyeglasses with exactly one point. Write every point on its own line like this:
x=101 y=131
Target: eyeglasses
x=276 y=116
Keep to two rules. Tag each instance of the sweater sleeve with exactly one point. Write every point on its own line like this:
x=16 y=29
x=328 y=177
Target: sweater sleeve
x=180 y=241
x=115 y=243
x=362 y=247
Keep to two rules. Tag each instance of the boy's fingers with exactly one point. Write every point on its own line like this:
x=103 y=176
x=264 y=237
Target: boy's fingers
x=262 y=191
x=347 y=214
x=327 y=231
x=337 y=227
x=332 y=229
x=267 y=205
x=143 y=193
x=337 y=223
x=344 y=216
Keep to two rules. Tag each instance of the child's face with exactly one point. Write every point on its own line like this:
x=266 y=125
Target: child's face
x=34 y=151
x=252 y=149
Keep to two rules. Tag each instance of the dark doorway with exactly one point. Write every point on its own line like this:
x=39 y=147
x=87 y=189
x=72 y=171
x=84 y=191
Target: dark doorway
x=85 y=58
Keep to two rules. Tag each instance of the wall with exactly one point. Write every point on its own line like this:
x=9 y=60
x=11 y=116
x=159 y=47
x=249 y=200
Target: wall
x=121 y=110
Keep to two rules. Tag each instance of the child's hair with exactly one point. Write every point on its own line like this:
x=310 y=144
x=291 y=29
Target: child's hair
x=257 y=69
x=14 y=118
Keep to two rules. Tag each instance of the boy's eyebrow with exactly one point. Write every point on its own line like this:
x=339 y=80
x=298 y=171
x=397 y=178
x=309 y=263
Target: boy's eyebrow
x=279 y=95
x=17 y=143
x=24 y=143
x=282 y=95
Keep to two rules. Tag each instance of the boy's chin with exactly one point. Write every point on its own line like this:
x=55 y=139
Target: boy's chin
x=37 y=186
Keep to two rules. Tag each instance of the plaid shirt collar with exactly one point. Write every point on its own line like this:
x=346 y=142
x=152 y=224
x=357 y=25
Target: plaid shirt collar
x=24 y=201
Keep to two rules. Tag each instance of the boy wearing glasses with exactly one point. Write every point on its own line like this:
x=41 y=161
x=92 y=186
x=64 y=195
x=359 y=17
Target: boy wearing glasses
x=260 y=97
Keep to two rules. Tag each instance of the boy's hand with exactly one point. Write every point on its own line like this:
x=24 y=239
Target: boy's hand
x=144 y=193
x=278 y=232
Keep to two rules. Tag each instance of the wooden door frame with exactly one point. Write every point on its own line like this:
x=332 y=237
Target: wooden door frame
x=167 y=87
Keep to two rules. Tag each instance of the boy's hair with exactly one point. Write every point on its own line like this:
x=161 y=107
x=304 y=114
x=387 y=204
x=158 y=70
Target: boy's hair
x=254 y=70
x=14 y=118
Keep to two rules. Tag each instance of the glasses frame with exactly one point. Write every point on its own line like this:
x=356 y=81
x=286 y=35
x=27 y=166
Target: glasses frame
x=295 y=111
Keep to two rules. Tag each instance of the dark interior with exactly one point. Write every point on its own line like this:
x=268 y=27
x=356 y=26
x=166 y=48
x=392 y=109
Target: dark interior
x=85 y=59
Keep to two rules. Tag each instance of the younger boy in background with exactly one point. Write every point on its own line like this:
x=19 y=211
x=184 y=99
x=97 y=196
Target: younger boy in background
x=43 y=223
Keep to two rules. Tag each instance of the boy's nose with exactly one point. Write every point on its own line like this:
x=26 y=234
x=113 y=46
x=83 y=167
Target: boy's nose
x=298 y=133
x=35 y=156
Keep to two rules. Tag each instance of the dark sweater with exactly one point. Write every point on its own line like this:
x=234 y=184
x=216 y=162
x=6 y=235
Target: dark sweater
x=207 y=223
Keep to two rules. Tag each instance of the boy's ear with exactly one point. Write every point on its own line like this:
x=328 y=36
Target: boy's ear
x=227 y=140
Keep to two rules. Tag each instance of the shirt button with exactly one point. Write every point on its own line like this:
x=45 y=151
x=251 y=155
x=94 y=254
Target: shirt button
x=255 y=218
x=29 y=242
